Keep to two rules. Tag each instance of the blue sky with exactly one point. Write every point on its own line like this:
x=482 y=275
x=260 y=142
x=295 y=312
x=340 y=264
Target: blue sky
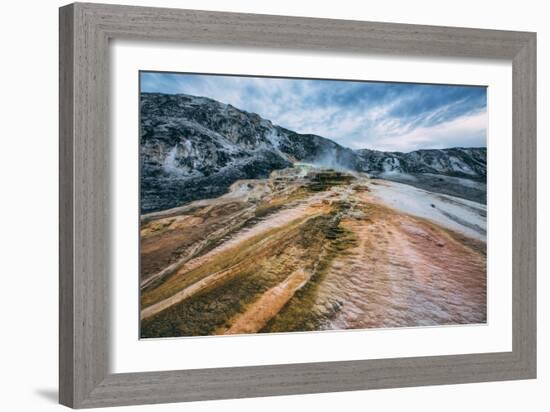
x=373 y=115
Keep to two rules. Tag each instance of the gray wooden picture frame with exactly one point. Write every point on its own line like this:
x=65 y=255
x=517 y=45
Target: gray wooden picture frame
x=85 y=31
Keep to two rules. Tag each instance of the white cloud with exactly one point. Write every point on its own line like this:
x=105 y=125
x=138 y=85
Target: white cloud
x=469 y=130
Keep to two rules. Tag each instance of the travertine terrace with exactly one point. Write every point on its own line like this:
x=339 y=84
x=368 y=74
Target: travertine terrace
x=313 y=248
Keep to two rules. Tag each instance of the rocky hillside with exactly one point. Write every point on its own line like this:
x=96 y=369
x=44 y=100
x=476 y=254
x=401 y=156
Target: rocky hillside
x=460 y=162
x=195 y=148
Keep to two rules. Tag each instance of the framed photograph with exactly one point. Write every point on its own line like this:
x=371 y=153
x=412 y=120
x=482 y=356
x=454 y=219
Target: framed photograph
x=256 y=205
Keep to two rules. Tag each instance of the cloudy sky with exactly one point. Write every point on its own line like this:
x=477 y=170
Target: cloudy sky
x=374 y=115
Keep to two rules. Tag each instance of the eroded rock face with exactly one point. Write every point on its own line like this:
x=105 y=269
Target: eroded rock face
x=194 y=148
